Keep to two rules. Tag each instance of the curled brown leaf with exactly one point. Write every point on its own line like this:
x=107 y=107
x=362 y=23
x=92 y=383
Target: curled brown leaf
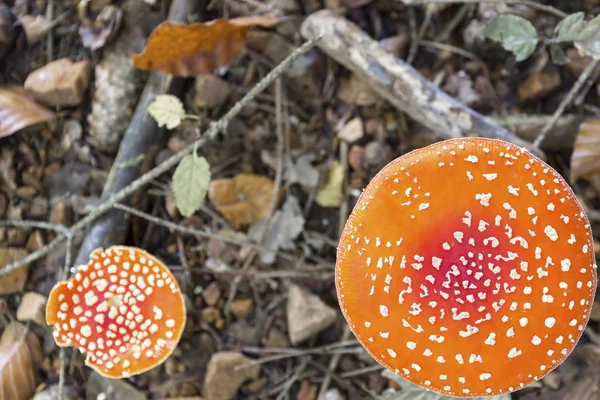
x=18 y=110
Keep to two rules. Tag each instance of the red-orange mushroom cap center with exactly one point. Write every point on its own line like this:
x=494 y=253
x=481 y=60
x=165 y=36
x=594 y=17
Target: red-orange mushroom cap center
x=467 y=267
x=124 y=309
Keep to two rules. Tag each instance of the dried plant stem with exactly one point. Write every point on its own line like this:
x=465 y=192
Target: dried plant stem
x=529 y=3
x=566 y=101
x=191 y=231
x=333 y=363
x=172 y=161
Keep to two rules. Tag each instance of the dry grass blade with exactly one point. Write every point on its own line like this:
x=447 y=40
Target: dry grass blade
x=20 y=352
x=18 y=110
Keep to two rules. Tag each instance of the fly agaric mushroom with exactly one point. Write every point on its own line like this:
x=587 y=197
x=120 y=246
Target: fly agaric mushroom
x=124 y=309
x=467 y=268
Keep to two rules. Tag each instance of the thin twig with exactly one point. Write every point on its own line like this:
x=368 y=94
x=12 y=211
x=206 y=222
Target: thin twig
x=288 y=384
x=566 y=101
x=456 y=19
x=169 y=163
x=50 y=33
x=414 y=35
x=530 y=3
x=192 y=231
x=333 y=363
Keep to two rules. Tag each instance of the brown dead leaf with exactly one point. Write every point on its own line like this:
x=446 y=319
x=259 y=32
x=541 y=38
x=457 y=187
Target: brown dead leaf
x=20 y=352
x=201 y=48
x=18 y=110
x=585 y=159
x=13 y=281
x=242 y=200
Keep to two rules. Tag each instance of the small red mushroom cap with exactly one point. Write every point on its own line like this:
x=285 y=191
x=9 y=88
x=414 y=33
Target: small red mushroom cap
x=467 y=267
x=124 y=309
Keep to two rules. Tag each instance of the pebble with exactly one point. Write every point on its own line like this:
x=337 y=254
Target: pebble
x=221 y=381
x=60 y=83
x=307 y=315
x=241 y=307
x=32 y=308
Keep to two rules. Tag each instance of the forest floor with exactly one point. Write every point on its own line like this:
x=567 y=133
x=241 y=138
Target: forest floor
x=255 y=257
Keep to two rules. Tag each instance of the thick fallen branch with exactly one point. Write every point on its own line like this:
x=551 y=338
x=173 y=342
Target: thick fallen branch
x=398 y=82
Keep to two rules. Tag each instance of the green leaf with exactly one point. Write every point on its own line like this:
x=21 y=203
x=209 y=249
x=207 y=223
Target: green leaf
x=568 y=29
x=190 y=183
x=410 y=391
x=588 y=40
x=167 y=110
x=516 y=34
x=558 y=56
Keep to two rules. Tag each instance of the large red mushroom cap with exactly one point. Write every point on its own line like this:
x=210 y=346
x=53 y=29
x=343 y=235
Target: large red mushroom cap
x=467 y=267
x=124 y=309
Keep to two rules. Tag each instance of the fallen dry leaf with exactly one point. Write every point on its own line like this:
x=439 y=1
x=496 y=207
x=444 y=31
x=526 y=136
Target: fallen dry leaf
x=201 y=48
x=104 y=28
x=331 y=195
x=585 y=159
x=20 y=352
x=242 y=200
x=18 y=110
x=13 y=281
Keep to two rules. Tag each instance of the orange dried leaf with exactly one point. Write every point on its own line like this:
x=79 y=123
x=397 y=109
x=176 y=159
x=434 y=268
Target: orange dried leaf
x=189 y=50
x=242 y=200
x=20 y=352
x=18 y=110
x=585 y=160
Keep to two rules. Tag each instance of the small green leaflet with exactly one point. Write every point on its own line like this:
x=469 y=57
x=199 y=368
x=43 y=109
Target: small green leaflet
x=190 y=183
x=569 y=28
x=167 y=110
x=410 y=391
x=516 y=34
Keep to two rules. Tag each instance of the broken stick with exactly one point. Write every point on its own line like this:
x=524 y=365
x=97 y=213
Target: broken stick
x=399 y=83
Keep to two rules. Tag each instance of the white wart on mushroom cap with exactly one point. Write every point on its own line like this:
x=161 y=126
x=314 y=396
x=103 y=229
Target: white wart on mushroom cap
x=124 y=309
x=467 y=267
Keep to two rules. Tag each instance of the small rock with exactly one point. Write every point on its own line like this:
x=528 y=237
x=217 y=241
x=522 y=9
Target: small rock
x=538 y=85
x=352 y=131
x=552 y=380
x=211 y=91
x=212 y=294
x=60 y=83
x=35 y=241
x=222 y=380
x=241 y=307
x=35 y=27
x=353 y=90
x=16 y=236
x=307 y=315
x=32 y=308
x=68 y=393
x=38 y=208
x=61 y=214
x=356 y=157
x=307 y=391
x=377 y=155
x=275 y=338
x=333 y=394
x=26 y=192
x=13 y=281
x=99 y=387
x=212 y=315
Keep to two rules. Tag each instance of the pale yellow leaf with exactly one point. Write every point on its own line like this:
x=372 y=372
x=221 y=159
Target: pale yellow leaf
x=167 y=110
x=331 y=195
